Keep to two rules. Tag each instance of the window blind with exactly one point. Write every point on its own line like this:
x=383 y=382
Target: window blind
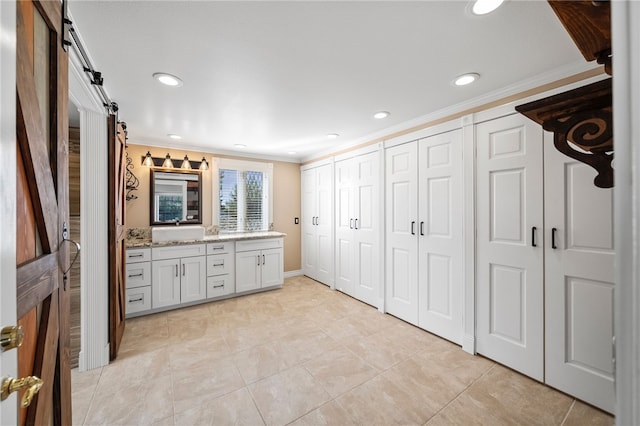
x=243 y=204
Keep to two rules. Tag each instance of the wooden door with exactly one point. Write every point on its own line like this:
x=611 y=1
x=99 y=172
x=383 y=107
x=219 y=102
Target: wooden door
x=440 y=258
x=366 y=227
x=42 y=209
x=324 y=223
x=579 y=281
x=117 y=230
x=401 y=297
x=344 y=220
x=509 y=262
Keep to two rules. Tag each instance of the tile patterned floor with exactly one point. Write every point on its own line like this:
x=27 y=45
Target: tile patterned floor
x=306 y=355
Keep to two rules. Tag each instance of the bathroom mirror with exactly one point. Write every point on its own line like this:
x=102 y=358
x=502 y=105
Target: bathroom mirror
x=176 y=196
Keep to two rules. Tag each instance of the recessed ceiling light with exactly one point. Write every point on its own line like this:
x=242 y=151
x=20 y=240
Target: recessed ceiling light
x=168 y=79
x=482 y=7
x=381 y=114
x=291 y=152
x=240 y=146
x=332 y=135
x=465 y=79
x=172 y=136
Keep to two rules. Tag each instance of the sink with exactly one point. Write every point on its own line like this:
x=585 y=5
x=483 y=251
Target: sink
x=177 y=233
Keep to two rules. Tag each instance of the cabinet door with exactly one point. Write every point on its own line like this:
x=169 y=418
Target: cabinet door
x=366 y=208
x=440 y=258
x=509 y=277
x=165 y=278
x=344 y=223
x=401 y=298
x=324 y=224
x=193 y=283
x=579 y=281
x=272 y=267
x=248 y=265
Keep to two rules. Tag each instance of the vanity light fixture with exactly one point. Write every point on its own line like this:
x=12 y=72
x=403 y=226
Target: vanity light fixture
x=381 y=114
x=168 y=163
x=465 y=79
x=204 y=165
x=482 y=7
x=332 y=135
x=167 y=79
x=186 y=164
x=147 y=160
x=176 y=137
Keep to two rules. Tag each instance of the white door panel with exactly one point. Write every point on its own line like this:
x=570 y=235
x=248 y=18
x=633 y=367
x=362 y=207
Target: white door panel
x=440 y=229
x=401 y=282
x=345 y=217
x=509 y=268
x=579 y=289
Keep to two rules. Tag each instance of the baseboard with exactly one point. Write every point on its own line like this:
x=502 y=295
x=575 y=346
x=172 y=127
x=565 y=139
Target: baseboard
x=469 y=344
x=296 y=273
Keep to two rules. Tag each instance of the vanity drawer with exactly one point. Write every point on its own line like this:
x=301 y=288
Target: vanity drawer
x=138 y=274
x=220 y=248
x=259 y=244
x=138 y=299
x=175 y=252
x=220 y=286
x=138 y=255
x=220 y=264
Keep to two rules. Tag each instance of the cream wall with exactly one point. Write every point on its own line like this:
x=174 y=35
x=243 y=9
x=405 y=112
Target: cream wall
x=286 y=196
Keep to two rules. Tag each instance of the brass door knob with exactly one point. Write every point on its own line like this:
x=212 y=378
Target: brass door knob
x=31 y=384
x=11 y=337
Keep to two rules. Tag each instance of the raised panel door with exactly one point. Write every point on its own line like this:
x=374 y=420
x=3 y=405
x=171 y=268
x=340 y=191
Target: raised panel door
x=309 y=237
x=165 y=278
x=367 y=228
x=579 y=282
x=509 y=262
x=324 y=224
x=401 y=182
x=193 y=284
x=441 y=241
x=344 y=226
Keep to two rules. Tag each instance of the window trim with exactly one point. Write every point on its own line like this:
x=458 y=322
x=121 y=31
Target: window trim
x=243 y=165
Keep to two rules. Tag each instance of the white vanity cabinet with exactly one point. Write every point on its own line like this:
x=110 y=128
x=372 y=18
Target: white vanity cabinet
x=220 y=269
x=259 y=264
x=138 y=279
x=178 y=274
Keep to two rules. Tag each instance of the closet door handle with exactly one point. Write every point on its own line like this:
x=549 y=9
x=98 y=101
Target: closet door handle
x=350 y=223
x=413 y=224
x=263 y=259
x=356 y=223
x=533 y=236
x=317 y=220
x=553 y=238
x=421 y=228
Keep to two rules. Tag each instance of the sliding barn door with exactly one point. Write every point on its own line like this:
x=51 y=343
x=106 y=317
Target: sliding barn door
x=42 y=210
x=117 y=260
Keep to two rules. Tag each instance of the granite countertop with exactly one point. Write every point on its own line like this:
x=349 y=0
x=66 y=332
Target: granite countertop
x=236 y=236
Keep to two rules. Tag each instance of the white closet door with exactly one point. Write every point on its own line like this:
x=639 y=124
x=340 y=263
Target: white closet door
x=324 y=223
x=401 y=283
x=309 y=238
x=579 y=281
x=366 y=228
x=440 y=258
x=509 y=276
x=345 y=218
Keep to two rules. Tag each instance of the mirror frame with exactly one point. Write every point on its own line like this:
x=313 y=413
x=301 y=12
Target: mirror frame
x=152 y=191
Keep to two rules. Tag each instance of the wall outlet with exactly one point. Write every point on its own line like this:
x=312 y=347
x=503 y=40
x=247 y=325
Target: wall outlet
x=296 y=221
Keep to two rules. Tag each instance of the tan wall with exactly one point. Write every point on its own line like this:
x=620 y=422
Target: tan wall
x=286 y=196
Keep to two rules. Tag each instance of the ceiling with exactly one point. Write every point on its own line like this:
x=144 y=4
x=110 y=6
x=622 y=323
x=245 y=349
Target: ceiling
x=279 y=76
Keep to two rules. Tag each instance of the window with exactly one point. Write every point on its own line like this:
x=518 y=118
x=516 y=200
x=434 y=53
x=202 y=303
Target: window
x=242 y=195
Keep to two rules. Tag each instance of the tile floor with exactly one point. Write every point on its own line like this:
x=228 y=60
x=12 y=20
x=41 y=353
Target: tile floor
x=306 y=355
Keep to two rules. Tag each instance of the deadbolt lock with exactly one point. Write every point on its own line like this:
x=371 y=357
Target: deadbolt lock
x=11 y=337
x=31 y=384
